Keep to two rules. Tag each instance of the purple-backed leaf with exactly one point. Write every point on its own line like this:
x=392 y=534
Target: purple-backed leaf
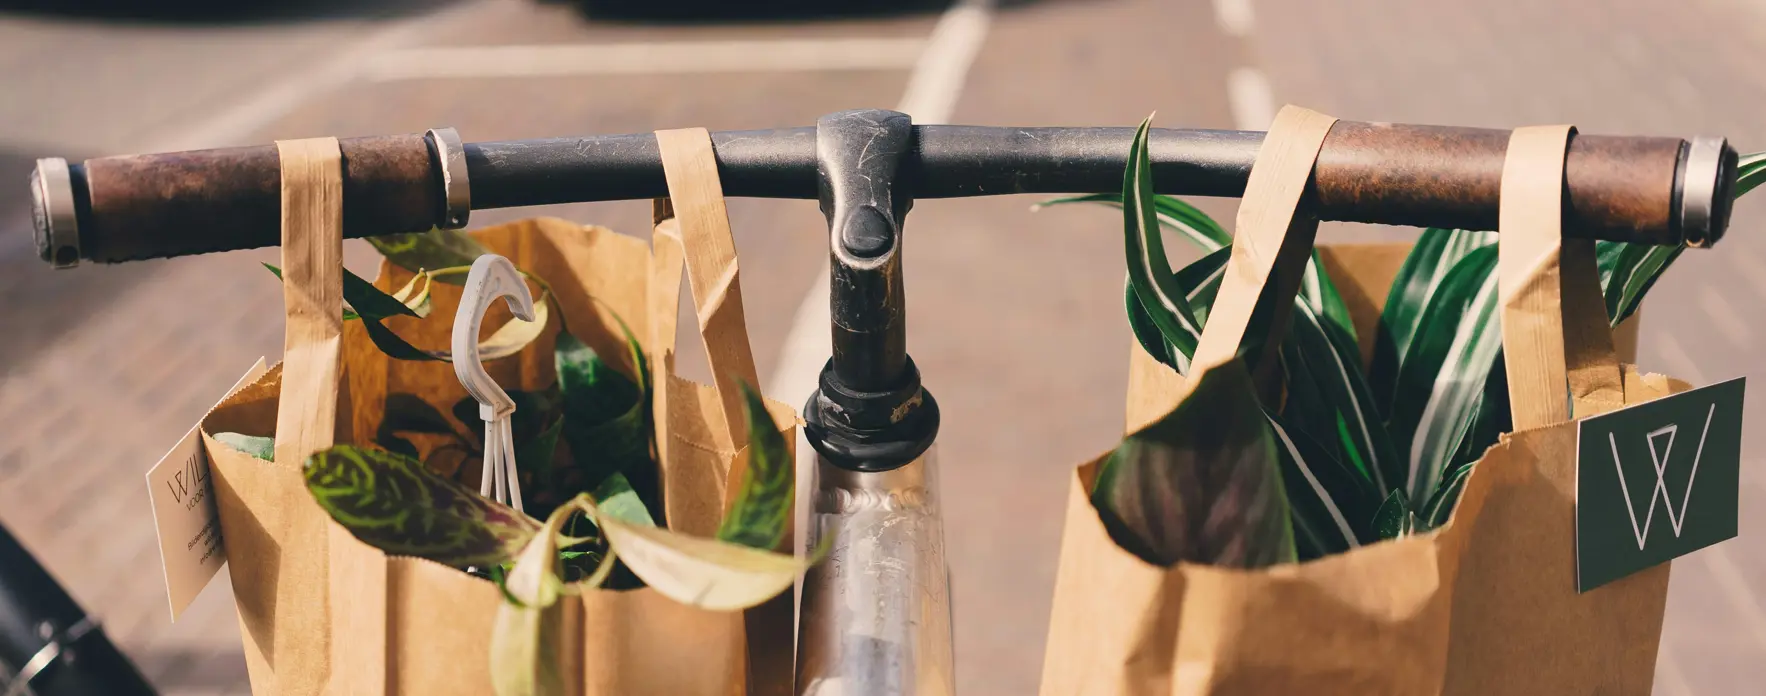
x=1203 y=484
x=396 y=504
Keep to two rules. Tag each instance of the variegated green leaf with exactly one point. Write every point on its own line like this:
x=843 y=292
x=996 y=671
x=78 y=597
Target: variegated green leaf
x=396 y=504
x=762 y=509
x=1199 y=282
x=1394 y=519
x=1456 y=341
x=1329 y=361
x=437 y=248
x=261 y=447
x=1173 y=213
x=1202 y=484
x=1750 y=172
x=1327 y=498
x=1149 y=272
x=1436 y=252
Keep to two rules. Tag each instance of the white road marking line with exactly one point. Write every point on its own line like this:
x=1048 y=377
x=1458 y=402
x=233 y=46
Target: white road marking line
x=1234 y=17
x=236 y=124
x=651 y=58
x=1735 y=586
x=1680 y=363
x=1251 y=99
x=1724 y=316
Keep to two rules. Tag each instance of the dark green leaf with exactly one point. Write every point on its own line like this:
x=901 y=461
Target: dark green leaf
x=432 y=250
x=594 y=391
x=396 y=504
x=762 y=509
x=1328 y=499
x=606 y=419
x=1394 y=520
x=261 y=447
x=1173 y=213
x=1439 y=509
x=1750 y=172
x=1444 y=370
x=1436 y=252
x=534 y=456
x=1203 y=484
x=1149 y=272
x=1199 y=282
x=1330 y=361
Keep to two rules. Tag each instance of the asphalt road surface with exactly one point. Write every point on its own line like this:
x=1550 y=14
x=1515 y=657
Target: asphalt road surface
x=1016 y=315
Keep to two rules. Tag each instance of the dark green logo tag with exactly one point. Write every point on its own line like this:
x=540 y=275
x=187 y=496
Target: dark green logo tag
x=1657 y=481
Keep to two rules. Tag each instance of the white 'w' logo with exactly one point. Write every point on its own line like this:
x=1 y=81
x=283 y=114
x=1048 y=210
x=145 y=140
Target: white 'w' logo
x=1660 y=456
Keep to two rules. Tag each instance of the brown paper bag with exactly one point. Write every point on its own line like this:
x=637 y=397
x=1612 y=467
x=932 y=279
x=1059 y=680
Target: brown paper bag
x=1519 y=625
x=323 y=612
x=1484 y=605
x=1373 y=621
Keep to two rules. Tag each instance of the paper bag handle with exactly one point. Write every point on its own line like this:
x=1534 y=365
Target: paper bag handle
x=692 y=225
x=1554 y=321
x=312 y=295
x=1272 y=241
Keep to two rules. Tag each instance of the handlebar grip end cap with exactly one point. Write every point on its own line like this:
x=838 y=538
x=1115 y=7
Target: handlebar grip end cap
x=55 y=220
x=1707 y=190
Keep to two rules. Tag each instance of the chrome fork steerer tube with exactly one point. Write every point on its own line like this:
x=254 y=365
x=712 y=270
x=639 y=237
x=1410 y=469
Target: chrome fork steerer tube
x=876 y=610
x=875 y=618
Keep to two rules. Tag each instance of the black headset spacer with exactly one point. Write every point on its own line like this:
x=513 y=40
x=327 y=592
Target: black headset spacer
x=871 y=431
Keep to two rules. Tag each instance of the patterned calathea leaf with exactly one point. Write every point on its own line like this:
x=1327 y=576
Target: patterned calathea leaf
x=395 y=504
x=1202 y=484
x=762 y=510
x=437 y=248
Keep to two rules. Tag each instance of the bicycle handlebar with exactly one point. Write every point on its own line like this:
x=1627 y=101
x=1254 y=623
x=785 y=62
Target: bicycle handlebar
x=1636 y=189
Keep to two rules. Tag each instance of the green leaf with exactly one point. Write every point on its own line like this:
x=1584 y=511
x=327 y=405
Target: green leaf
x=1203 y=484
x=1173 y=213
x=1394 y=520
x=1326 y=497
x=1444 y=371
x=1199 y=282
x=1149 y=272
x=1628 y=271
x=615 y=498
x=261 y=447
x=1436 y=252
x=1319 y=294
x=605 y=416
x=437 y=248
x=1439 y=509
x=763 y=507
x=371 y=306
x=1750 y=172
x=1325 y=363
x=396 y=504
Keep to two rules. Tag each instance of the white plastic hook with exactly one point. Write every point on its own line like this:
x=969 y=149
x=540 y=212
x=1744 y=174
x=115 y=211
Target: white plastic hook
x=491 y=277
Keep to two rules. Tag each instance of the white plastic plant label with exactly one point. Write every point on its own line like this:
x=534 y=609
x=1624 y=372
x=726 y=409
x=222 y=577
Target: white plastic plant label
x=183 y=500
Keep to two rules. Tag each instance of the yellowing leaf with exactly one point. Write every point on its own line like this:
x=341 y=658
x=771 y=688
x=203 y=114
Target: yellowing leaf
x=524 y=639
x=704 y=573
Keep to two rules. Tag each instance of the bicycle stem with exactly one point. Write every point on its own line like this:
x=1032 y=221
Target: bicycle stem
x=876 y=612
x=114 y=209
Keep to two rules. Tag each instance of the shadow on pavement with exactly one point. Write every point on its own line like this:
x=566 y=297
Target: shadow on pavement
x=218 y=11
x=42 y=303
